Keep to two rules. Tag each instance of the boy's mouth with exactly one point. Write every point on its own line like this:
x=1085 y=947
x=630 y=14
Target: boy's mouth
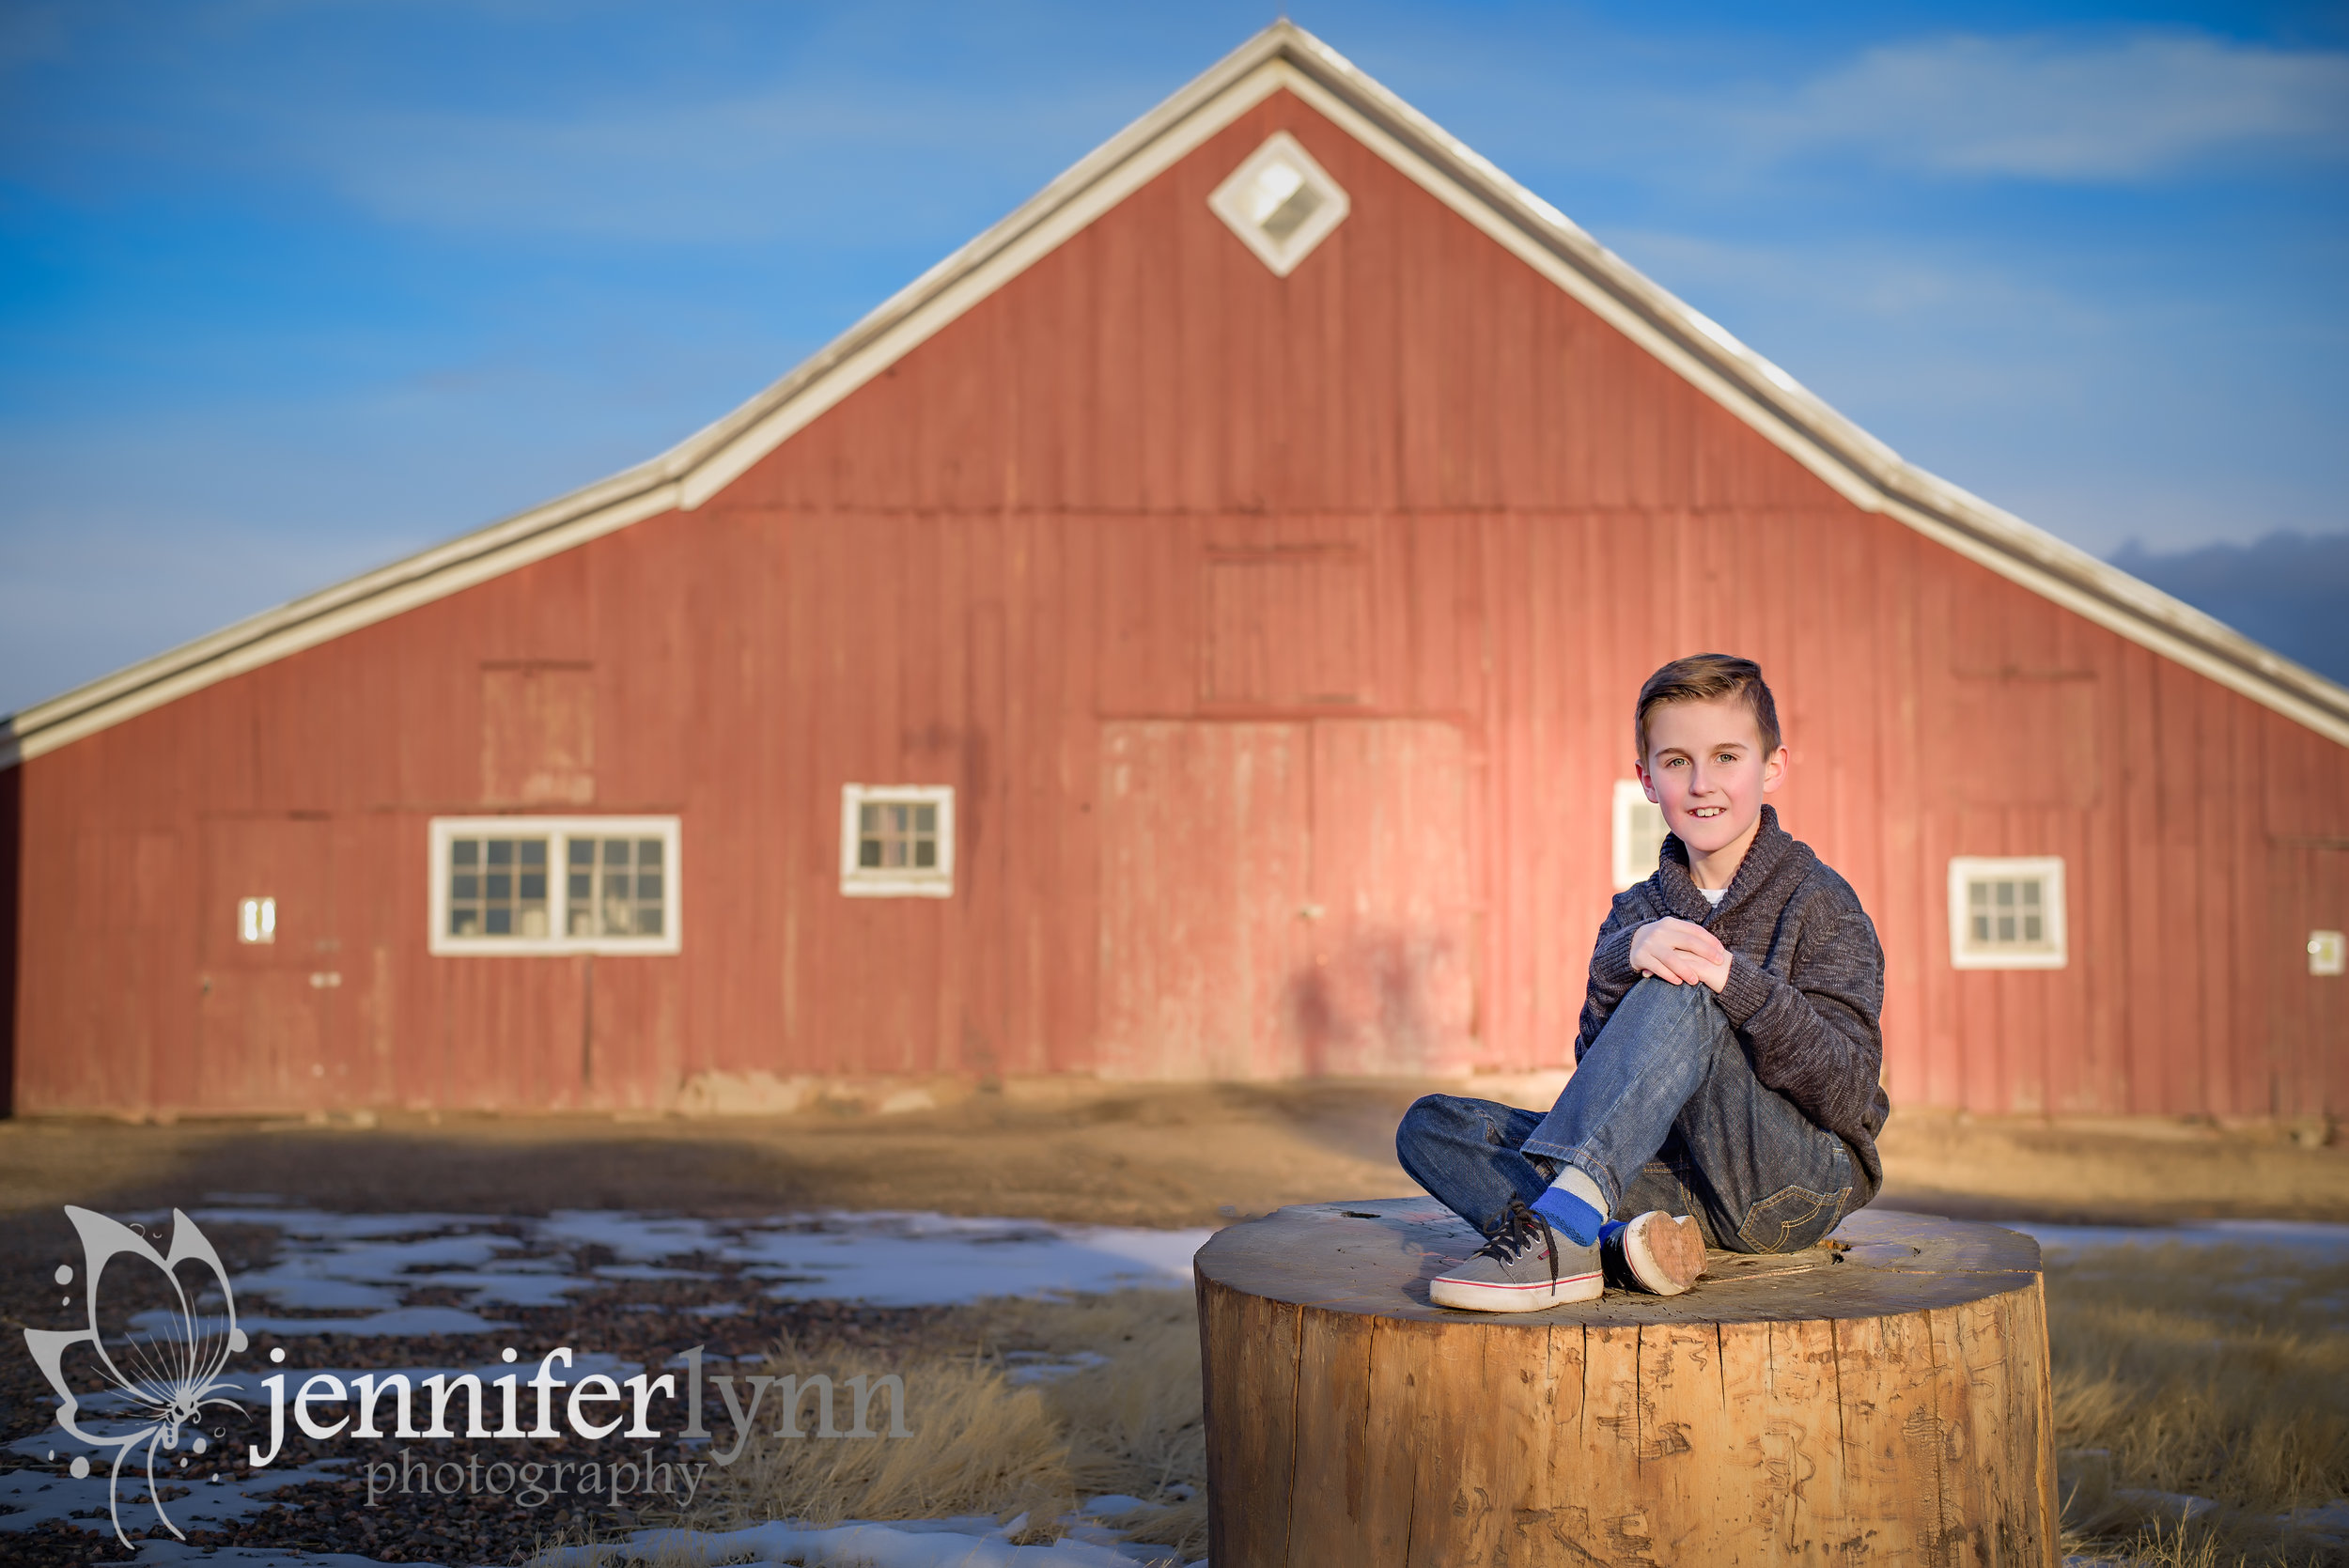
x=1704 y=814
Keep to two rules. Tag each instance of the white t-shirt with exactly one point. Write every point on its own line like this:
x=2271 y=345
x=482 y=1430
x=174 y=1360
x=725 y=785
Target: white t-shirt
x=1714 y=895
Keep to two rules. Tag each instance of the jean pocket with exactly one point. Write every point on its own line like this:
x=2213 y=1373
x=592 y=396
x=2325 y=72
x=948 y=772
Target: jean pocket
x=1791 y=1218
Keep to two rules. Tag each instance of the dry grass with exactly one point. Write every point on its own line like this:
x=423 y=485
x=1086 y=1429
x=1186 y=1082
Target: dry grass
x=2211 y=1373
x=1134 y=1424
x=2162 y=1544
x=984 y=1444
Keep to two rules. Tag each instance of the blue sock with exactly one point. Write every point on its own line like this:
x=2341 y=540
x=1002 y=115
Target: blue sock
x=1570 y=1214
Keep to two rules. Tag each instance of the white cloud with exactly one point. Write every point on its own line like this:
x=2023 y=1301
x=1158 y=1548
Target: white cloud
x=877 y=125
x=2099 y=416
x=881 y=166
x=1905 y=337
x=2067 y=109
x=82 y=595
x=1888 y=280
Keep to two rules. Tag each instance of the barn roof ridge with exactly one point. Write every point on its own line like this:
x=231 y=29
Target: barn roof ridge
x=1862 y=468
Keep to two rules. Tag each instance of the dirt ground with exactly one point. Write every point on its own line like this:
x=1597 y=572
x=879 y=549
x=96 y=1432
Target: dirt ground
x=1163 y=1156
x=1167 y=1156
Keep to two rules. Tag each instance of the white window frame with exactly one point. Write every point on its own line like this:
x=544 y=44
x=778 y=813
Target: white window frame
x=2329 y=953
x=1630 y=800
x=2048 y=870
x=559 y=831
x=256 y=920
x=857 y=881
x=1230 y=201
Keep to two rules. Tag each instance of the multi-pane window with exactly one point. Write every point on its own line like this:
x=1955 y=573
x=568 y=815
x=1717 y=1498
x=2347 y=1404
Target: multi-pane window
x=534 y=884
x=497 y=887
x=897 y=841
x=896 y=836
x=615 y=887
x=1639 y=834
x=2007 y=913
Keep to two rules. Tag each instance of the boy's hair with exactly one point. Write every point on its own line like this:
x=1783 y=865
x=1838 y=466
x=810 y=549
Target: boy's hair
x=1705 y=677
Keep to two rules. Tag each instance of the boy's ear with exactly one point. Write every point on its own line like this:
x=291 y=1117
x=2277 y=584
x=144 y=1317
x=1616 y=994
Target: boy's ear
x=1774 y=770
x=1638 y=766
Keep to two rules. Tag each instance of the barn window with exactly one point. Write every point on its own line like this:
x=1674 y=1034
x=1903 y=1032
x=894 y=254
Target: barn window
x=615 y=886
x=538 y=884
x=897 y=841
x=2007 y=914
x=1639 y=834
x=256 y=920
x=497 y=886
x=1281 y=203
x=2329 y=953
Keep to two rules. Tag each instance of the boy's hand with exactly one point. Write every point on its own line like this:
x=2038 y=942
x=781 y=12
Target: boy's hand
x=1681 y=953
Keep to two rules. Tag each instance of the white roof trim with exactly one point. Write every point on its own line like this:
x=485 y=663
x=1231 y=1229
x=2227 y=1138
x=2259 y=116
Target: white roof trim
x=1858 y=466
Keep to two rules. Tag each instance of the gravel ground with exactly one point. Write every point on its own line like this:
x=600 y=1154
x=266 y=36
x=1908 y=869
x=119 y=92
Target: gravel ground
x=639 y=1322
x=1120 y=1155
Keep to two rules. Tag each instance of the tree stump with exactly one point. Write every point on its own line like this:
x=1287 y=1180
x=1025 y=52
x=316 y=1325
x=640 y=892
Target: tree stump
x=1882 y=1398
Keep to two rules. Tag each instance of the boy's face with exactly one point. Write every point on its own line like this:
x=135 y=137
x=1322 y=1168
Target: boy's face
x=1706 y=769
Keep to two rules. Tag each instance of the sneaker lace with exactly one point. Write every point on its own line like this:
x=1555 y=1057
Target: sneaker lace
x=1518 y=1224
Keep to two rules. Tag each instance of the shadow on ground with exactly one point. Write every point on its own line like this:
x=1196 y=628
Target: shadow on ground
x=1126 y=1155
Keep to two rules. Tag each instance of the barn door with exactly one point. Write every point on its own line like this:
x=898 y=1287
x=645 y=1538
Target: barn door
x=1204 y=862
x=1390 y=989
x=271 y=991
x=1283 y=898
x=2308 y=1016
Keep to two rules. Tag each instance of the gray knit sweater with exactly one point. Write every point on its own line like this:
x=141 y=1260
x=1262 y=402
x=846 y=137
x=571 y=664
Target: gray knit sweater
x=1806 y=980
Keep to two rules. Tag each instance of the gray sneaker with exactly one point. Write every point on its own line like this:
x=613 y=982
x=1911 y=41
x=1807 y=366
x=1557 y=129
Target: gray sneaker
x=1525 y=1268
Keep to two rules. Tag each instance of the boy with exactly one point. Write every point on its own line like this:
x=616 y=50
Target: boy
x=1727 y=1062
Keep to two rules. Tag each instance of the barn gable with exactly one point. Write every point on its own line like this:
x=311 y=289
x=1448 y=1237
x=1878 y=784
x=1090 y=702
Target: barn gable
x=1257 y=618
x=1281 y=60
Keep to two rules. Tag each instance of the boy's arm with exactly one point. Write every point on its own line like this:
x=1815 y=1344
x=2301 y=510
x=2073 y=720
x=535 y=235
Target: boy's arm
x=1816 y=1039
x=1612 y=976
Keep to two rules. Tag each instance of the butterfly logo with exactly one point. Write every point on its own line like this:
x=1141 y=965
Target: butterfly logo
x=163 y=1367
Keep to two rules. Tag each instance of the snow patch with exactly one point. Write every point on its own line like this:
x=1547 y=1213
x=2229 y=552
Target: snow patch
x=2295 y=1234
x=220 y=1490
x=369 y=1266
x=976 y=1543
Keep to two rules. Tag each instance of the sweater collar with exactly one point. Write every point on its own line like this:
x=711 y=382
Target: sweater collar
x=1770 y=850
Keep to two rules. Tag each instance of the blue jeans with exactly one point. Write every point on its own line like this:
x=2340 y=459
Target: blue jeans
x=1664 y=1112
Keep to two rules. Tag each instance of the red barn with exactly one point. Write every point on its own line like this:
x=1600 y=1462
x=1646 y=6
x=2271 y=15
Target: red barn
x=1188 y=632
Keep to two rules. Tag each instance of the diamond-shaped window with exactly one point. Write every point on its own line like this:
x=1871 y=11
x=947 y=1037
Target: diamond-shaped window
x=1281 y=203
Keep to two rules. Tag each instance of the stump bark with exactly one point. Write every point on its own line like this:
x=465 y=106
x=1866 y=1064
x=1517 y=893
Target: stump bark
x=1882 y=1399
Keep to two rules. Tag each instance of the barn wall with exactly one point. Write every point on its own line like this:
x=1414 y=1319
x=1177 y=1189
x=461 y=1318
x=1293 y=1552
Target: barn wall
x=11 y=902
x=1172 y=567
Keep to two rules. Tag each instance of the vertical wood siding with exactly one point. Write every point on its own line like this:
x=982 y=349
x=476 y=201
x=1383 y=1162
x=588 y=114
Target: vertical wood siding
x=1279 y=638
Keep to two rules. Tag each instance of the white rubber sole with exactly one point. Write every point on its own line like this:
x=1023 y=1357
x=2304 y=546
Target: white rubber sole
x=1470 y=1295
x=1664 y=1254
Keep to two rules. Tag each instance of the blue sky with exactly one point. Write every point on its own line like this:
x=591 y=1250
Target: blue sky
x=290 y=288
